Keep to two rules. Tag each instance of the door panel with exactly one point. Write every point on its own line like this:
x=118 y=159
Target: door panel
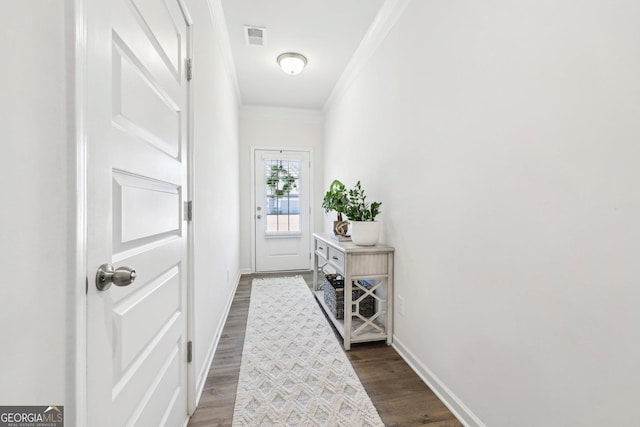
x=139 y=106
x=164 y=31
x=282 y=217
x=144 y=211
x=136 y=162
x=141 y=317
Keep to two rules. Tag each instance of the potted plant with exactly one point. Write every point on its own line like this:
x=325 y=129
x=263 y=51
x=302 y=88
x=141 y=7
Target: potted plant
x=364 y=229
x=336 y=200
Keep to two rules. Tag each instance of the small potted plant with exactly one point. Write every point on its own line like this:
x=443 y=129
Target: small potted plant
x=336 y=200
x=364 y=229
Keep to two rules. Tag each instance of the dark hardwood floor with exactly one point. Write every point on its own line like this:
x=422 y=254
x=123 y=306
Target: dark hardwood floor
x=400 y=397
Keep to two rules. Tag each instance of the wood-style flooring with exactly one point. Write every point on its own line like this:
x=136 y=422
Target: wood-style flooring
x=400 y=397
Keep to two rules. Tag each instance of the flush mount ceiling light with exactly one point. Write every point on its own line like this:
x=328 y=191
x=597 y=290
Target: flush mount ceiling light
x=292 y=63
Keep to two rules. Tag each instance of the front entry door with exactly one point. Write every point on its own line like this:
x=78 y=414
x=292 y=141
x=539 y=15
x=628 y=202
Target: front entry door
x=282 y=210
x=136 y=175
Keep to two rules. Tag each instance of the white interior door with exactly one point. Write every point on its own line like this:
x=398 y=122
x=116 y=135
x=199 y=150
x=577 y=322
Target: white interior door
x=282 y=210
x=136 y=177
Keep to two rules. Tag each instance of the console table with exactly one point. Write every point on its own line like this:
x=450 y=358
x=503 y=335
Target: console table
x=356 y=264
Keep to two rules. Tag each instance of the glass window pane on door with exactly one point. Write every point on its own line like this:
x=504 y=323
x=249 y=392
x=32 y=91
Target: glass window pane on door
x=282 y=191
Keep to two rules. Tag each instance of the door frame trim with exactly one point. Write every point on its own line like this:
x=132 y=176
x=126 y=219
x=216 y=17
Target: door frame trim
x=252 y=207
x=76 y=387
x=192 y=394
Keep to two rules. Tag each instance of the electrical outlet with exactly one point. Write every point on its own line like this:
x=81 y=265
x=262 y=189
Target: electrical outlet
x=227 y=276
x=401 y=306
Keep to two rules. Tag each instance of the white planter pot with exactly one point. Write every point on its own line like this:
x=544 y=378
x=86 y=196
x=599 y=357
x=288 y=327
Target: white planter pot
x=365 y=233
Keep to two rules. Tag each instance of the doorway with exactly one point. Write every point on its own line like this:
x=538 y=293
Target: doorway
x=282 y=210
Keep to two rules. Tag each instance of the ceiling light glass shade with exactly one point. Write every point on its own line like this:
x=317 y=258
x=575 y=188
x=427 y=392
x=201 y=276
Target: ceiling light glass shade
x=292 y=63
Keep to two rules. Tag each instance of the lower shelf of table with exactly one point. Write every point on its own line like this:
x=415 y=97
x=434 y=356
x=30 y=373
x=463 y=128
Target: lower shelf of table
x=355 y=323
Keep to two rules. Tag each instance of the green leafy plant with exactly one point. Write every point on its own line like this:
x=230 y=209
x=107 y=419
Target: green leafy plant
x=336 y=199
x=357 y=208
x=280 y=182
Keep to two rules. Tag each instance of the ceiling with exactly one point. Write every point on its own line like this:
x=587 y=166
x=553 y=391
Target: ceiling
x=327 y=32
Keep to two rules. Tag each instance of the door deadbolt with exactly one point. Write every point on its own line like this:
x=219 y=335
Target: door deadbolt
x=107 y=275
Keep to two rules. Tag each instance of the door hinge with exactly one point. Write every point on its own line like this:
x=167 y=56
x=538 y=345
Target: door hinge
x=188 y=210
x=189 y=70
x=189 y=351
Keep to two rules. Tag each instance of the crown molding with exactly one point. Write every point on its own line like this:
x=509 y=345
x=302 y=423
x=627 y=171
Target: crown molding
x=386 y=18
x=222 y=37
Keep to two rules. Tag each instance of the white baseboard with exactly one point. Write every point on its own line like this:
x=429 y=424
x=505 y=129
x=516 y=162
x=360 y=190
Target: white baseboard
x=245 y=271
x=204 y=372
x=455 y=405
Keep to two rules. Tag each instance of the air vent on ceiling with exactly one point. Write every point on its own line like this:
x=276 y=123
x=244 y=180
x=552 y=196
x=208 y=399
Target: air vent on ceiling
x=255 y=36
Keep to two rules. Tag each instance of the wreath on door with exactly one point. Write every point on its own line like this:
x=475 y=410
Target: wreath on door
x=280 y=181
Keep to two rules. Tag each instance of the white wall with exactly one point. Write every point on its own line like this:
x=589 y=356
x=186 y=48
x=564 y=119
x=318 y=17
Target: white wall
x=216 y=200
x=502 y=138
x=277 y=128
x=35 y=229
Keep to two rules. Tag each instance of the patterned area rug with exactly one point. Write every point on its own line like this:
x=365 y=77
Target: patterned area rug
x=293 y=370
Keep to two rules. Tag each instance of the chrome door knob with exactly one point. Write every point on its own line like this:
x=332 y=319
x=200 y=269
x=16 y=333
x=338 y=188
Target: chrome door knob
x=107 y=275
x=259 y=216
